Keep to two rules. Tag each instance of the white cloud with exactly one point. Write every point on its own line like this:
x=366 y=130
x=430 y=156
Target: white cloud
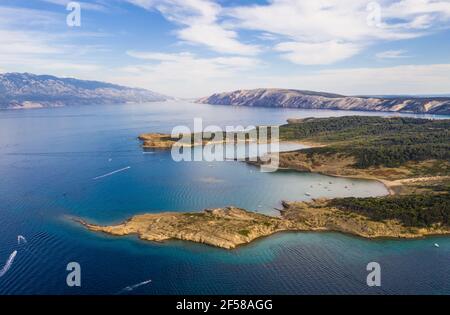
x=47 y=64
x=407 y=79
x=305 y=20
x=216 y=38
x=438 y=9
x=187 y=75
x=341 y=25
x=199 y=21
x=158 y=56
x=17 y=37
x=325 y=20
x=302 y=28
x=26 y=46
x=19 y=42
x=267 y=37
x=183 y=74
x=392 y=54
x=317 y=53
x=13 y=18
x=190 y=59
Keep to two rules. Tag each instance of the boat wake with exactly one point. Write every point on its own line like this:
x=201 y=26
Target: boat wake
x=133 y=287
x=8 y=264
x=21 y=239
x=112 y=173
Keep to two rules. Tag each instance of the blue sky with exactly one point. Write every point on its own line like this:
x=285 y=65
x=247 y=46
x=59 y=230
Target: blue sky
x=192 y=48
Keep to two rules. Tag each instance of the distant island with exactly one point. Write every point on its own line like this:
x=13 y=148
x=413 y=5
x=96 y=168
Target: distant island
x=26 y=90
x=410 y=156
x=286 y=98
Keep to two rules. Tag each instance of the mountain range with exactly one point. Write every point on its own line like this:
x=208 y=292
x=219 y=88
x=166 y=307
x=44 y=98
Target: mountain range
x=26 y=90
x=287 y=98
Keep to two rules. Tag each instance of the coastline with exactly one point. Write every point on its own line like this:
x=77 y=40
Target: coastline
x=310 y=216
x=311 y=144
x=230 y=227
x=165 y=144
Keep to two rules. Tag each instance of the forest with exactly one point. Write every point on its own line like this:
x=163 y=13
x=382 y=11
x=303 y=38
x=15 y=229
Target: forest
x=422 y=210
x=374 y=141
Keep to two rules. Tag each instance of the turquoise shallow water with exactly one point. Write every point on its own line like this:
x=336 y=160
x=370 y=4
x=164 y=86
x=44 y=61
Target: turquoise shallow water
x=48 y=159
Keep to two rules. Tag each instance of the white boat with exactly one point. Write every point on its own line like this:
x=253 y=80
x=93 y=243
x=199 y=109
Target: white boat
x=436 y=245
x=308 y=194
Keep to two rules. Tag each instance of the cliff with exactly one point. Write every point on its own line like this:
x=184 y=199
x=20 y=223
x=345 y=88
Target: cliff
x=285 y=98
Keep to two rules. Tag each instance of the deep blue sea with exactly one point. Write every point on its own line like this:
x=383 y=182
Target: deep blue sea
x=50 y=157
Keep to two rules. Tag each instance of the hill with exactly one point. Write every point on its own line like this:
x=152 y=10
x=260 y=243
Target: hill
x=26 y=90
x=285 y=98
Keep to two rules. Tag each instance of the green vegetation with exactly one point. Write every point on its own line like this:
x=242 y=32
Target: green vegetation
x=375 y=141
x=244 y=232
x=412 y=210
x=408 y=146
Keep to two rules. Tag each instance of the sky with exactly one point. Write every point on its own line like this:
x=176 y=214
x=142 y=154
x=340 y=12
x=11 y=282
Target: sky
x=193 y=48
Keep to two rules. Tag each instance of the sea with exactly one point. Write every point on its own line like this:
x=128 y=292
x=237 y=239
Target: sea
x=86 y=162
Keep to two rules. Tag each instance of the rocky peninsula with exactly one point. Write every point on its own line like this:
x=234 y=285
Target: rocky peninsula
x=223 y=227
x=231 y=227
x=410 y=156
x=166 y=141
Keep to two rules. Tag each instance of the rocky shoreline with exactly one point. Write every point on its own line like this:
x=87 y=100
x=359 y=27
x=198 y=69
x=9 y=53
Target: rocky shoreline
x=224 y=227
x=231 y=227
x=167 y=142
